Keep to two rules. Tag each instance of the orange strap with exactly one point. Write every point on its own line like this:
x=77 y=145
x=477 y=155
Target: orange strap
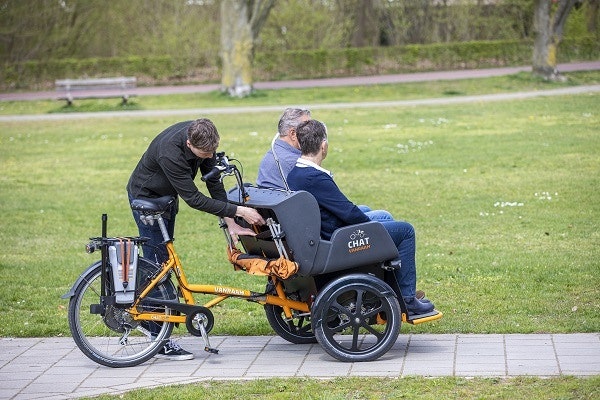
x=125 y=255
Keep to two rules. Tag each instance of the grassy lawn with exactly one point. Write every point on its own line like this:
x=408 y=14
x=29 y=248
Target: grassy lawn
x=501 y=195
x=379 y=389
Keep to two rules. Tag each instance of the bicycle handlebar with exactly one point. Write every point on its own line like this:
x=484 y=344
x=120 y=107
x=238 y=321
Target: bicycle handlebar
x=216 y=171
x=224 y=167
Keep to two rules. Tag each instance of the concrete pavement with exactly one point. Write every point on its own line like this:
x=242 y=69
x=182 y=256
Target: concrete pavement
x=54 y=368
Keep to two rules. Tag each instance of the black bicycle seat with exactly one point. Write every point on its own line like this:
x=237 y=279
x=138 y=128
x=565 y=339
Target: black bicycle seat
x=159 y=204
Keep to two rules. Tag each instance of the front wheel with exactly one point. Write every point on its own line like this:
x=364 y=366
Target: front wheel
x=111 y=337
x=356 y=318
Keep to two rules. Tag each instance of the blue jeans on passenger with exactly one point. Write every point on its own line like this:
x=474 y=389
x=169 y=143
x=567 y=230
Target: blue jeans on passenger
x=376 y=215
x=403 y=236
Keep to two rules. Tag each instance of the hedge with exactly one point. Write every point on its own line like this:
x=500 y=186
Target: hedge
x=299 y=64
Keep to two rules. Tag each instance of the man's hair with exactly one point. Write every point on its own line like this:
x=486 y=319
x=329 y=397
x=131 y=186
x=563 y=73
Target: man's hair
x=291 y=118
x=311 y=135
x=202 y=134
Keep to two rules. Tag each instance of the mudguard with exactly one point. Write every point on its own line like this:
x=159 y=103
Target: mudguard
x=71 y=292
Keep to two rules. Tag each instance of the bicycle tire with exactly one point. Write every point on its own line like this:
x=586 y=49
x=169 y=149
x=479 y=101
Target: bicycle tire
x=100 y=337
x=297 y=331
x=356 y=318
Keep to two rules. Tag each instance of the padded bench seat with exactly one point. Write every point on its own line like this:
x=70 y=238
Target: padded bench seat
x=300 y=219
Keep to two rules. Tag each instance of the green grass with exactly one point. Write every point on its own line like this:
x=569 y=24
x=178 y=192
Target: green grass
x=406 y=91
x=379 y=389
x=502 y=196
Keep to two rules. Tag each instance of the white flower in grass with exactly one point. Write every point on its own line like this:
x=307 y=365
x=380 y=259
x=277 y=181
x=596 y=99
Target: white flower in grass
x=508 y=204
x=545 y=195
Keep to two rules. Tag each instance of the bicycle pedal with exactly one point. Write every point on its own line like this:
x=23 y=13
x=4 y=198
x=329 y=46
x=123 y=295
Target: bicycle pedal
x=211 y=350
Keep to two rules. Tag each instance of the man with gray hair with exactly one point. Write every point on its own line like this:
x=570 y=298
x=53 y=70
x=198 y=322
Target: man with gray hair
x=284 y=151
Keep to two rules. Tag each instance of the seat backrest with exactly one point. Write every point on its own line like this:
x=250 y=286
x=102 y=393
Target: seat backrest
x=296 y=212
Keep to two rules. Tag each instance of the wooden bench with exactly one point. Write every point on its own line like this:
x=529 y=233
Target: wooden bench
x=96 y=88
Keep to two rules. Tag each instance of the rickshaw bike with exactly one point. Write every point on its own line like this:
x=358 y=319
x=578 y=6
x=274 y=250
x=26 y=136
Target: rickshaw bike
x=341 y=292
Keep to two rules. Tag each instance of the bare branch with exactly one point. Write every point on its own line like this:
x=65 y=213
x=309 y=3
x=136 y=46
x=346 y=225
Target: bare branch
x=260 y=12
x=560 y=17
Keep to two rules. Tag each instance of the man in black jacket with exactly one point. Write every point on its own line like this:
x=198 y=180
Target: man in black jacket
x=168 y=167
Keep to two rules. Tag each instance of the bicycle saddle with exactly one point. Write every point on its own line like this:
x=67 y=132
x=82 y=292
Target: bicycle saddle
x=147 y=205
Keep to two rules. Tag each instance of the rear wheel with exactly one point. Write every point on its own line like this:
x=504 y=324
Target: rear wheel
x=111 y=336
x=356 y=318
x=298 y=330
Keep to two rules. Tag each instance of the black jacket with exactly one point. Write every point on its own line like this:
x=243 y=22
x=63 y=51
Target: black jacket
x=168 y=167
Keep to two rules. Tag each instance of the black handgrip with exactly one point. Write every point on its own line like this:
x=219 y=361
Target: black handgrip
x=216 y=171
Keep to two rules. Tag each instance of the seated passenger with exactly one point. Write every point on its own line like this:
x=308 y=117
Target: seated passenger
x=279 y=160
x=337 y=211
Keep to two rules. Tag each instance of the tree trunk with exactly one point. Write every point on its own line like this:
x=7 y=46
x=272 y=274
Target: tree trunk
x=241 y=21
x=365 y=25
x=548 y=35
x=592 y=16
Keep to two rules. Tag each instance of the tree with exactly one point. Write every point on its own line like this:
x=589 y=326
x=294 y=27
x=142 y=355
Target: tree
x=241 y=21
x=592 y=15
x=548 y=23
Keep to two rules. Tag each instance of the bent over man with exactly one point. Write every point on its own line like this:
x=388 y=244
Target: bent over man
x=169 y=167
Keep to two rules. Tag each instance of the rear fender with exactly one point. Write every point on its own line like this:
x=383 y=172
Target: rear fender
x=71 y=292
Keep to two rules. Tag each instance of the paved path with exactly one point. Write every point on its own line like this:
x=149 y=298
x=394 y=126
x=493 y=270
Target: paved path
x=326 y=82
x=54 y=368
x=277 y=108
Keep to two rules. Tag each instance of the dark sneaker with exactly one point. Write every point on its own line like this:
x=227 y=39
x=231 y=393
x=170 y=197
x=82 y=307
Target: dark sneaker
x=416 y=306
x=172 y=351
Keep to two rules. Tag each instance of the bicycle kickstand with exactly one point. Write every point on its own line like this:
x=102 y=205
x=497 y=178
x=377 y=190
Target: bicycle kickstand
x=204 y=336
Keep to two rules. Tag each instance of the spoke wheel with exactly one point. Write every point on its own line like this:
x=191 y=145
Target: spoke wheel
x=298 y=330
x=115 y=339
x=356 y=318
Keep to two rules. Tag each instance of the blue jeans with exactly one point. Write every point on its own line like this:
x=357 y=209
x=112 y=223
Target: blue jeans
x=376 y=215
x=155 y=248
x=403 y=236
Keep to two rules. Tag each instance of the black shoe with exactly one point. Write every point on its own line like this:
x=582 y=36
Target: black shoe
x=416 y=306
x=172 y=351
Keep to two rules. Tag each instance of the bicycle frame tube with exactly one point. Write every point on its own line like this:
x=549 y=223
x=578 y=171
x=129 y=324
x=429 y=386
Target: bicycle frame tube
x=221 y=293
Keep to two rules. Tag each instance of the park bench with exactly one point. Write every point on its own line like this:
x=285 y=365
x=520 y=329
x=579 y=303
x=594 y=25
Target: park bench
x=95 y=88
